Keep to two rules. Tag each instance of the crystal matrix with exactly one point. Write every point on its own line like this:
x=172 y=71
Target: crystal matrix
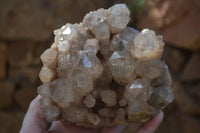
x=102 y=73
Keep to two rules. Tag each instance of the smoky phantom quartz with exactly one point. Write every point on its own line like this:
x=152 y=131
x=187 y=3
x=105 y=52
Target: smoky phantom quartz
x=101 y=73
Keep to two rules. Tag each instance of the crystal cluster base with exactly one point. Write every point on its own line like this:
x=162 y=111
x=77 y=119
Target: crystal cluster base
x=101 y=73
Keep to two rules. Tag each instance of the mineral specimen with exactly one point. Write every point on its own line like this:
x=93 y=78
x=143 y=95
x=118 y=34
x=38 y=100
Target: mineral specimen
x=102 y=73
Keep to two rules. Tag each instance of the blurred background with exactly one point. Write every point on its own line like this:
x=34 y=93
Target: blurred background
x=26 y=30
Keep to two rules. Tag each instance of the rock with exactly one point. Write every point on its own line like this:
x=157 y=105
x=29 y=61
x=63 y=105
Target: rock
x=24 y=96
x=189 y=124
x=195 y=92
x=3 y=59
x=100 y=73
x=22 y=24
x=178 y=21
x=24 y=76
x=178 y=122
x=11 y=121
x=174 y=58
x=171 y=123
x=188 y=32
x=191 y=71
x=6 y=94
x=185 y=103
x=20 y=55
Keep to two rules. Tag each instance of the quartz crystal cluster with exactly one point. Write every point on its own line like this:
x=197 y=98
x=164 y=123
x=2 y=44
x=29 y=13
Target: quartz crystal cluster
x=102 y=73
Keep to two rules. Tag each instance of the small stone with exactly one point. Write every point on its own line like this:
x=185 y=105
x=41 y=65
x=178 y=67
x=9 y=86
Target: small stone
x=47 y=74
x=49 y=58
x=89 y=101
x=109 y=97
x=146 y=45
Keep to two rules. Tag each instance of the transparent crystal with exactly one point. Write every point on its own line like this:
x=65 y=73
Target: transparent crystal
x=122 y=40
x=96 y=22
x=146 y=45
x=46 y=74
x=118 y=17
x=122 y=66
x=49 y=58
x=150 y=69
